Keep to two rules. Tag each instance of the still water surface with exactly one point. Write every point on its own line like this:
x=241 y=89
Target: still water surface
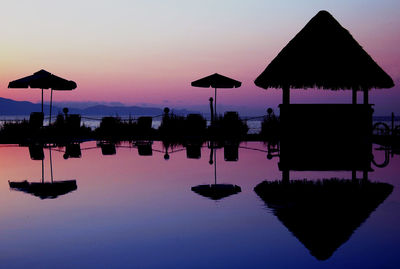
x=132 y=211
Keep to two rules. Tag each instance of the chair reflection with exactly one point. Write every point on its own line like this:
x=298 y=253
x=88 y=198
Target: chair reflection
x=231 y=151
x=193 y=150
x=323 y=214
x=107 y=148
x=73 y=150
x=216 y=191
x=144 y=148
x=43 y=190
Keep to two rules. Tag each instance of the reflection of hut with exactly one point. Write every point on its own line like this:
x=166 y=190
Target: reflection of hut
x=324 y=55
x=323 y=215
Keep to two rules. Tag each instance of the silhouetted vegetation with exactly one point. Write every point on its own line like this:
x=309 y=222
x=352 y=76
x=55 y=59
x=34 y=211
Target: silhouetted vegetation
x=65 y=128
x=114 y=128
x=230 y=126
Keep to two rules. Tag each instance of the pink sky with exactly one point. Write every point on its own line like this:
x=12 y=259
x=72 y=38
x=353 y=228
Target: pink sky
x=151 y=56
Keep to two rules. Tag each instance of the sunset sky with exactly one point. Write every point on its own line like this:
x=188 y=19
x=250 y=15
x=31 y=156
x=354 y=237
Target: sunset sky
x=148 y=52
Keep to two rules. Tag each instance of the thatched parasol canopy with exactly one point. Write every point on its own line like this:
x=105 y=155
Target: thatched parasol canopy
x=324 y=55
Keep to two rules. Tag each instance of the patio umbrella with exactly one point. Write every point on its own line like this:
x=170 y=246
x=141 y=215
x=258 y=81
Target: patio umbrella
x=44 y=80
x=216 y=81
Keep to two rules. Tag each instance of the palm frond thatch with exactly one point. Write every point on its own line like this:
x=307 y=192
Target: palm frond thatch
x=326 y=56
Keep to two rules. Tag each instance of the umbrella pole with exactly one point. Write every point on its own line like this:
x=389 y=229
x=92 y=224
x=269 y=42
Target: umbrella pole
x=42 y=100
x=215 y=166
x=215 y=104
x=51 y=102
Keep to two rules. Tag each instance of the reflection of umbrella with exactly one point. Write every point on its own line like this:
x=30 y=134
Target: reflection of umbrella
x=216 y=81
x=44 y=80
x=44 y=190
x=216 y=191
x=323 y=214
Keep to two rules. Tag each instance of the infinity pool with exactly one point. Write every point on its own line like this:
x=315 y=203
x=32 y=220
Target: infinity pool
x=139 y=211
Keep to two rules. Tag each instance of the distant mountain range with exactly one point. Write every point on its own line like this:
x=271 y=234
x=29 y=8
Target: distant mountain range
x=12 y=107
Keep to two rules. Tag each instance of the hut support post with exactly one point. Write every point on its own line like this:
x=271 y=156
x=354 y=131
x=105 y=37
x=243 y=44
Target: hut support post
x=215 y=104
x=211 y=110
x=365 y=97
x=42 y=100
x=51 y=103
x=354 y=99
x=285 y=95
x=353 y=174
x=365 y=175
x=215 y=167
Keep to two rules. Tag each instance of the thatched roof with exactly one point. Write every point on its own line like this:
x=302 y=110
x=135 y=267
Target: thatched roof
x=323 y=214
x=324 y=55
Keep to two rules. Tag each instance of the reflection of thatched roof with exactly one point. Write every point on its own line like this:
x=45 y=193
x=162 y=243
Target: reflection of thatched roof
x=45 y=190
x=216 y=191
x=324 y=55
x=322 y=214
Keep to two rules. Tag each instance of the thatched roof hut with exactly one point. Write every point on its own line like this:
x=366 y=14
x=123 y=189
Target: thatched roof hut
x=326 y=56
x=323 y=214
